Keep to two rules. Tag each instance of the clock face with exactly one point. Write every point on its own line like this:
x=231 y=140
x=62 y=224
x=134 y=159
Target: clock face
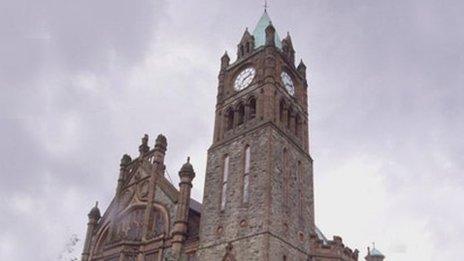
x=244 y=78
x=288 y=83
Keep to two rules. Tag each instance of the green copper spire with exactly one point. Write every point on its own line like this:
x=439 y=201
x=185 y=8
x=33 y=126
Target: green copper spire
x=260 y=32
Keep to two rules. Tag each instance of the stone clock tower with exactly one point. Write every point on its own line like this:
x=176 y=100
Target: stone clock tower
x=258 y=196
x=258 y=199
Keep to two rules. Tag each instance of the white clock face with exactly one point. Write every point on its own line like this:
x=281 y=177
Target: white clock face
x=244 y=78
x=288 y=83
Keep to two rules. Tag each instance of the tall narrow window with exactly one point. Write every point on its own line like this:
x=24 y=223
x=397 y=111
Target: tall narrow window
x=285 y=174
x=299 y=181
x=289 y=118
x=281 y=111
x=297 y=125
x=246 y=175
x=241 y=114
x=252 y=108
x=224 y=182
x=230 y=119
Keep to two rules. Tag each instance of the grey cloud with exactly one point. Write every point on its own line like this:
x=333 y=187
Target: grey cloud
x=82 y=81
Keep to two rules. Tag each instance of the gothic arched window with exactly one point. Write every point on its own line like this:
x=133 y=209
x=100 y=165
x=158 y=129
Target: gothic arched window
x=230 y=119
x=247 y=47
x=225 y=175
x=252 y=107
x=246 y=174
x=241 y=113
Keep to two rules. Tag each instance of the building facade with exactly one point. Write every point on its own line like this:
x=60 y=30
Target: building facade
x=258 y=199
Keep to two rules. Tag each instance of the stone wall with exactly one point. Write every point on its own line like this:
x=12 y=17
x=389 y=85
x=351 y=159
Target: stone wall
x=267 y=214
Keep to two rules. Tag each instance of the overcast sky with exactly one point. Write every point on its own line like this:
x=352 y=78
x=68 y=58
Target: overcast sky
x=82 y=81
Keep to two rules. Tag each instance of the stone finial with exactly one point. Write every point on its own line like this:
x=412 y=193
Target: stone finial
x=161 y=142
x=288 y=40
x=246 y=34
x=338 y=240
x=187 y=170
x=94 y=212
x=225 y=61
x=270 y=35
x=144 y=148
x=302 y=68
x=125 y=160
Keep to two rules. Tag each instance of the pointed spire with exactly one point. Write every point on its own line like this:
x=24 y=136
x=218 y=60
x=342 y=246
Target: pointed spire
x=270 y=35
x=246 y=36
x=288 y=39
x=259 y=32
x=302 y=68
x=225 y=60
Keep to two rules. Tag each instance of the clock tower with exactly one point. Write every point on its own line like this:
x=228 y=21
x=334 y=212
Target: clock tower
x=258 y=197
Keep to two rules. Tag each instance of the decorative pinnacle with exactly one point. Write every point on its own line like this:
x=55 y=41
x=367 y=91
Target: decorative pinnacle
x=125 y=160
x=145 y=139
x=187 y=170
x=265 y=6
x=143 y=148
x=95 y=212
x=161 y=142
x=225 y=60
